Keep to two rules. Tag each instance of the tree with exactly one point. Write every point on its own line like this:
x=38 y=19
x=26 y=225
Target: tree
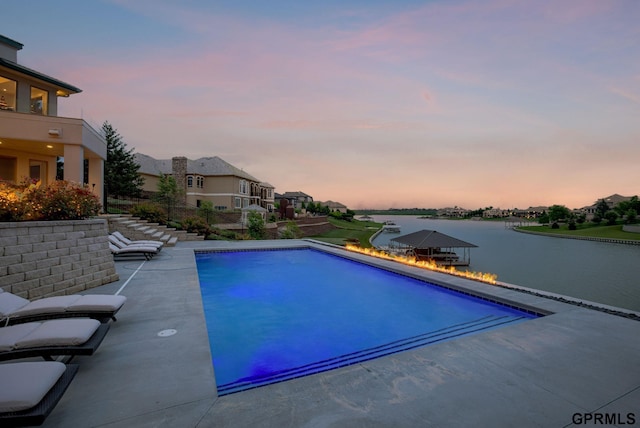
x=601 y=208
x=256 y=226
x=168 y=192
x=206 y=210
x=121 y=177
x=611 y=217
x=558 y=212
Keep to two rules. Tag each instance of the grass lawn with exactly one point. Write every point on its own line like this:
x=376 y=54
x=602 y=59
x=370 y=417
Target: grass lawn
x=611 y=232
x=349 y=231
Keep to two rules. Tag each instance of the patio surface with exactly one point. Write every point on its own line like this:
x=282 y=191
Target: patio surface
x=541 y=372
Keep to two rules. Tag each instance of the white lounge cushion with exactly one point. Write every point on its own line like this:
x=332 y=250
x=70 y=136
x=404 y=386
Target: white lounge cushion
x=9 y=303
x=63 y=332
x=49 y=305
x=11 y=334
x=25 y=384
x=97 y=302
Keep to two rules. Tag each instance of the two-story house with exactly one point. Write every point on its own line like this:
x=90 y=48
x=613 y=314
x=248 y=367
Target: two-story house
x=208 y=179
x=295 y=199
x=33 y=137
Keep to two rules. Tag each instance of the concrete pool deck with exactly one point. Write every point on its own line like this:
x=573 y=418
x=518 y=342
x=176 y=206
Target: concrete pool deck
x=542 y=372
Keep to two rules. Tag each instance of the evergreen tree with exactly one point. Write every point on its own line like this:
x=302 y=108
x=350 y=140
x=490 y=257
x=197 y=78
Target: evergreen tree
x=121 y=176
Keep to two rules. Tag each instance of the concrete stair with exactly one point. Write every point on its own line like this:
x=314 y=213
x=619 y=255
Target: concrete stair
x=136 y=229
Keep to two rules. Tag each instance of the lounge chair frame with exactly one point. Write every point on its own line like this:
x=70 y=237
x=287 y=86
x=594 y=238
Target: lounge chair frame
x=37 y=415
x=48 y=352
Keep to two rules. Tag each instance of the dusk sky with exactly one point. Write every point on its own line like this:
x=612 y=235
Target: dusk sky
x=375 y=104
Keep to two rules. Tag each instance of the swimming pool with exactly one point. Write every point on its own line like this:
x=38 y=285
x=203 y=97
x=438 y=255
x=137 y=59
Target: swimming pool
x=277 y=315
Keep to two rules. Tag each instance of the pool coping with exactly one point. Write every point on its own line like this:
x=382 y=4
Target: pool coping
x=543 y=372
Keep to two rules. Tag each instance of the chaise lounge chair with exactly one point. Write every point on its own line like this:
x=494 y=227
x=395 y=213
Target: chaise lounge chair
x=134 y=250
x=16 y=310
x=119 y=236
x=31 y=390
x=71 y=337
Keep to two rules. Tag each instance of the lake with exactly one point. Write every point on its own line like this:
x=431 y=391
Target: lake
x=596 y=271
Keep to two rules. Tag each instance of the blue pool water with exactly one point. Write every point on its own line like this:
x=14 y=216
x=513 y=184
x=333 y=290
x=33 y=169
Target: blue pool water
x=277 y=315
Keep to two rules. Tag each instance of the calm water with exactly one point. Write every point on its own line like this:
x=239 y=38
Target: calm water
x=277 y=315
x=596 y=271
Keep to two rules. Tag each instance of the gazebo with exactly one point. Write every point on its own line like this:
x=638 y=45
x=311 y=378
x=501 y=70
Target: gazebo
x=434 y=246
x=253 y=208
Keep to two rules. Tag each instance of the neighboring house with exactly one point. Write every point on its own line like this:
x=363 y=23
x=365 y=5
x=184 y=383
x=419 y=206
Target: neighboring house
x=335 y=206
x=453 y=212
x=531 y=212
x=208 y=179
x=611 y=201
x=33 y=137
x=495 y=213
x=295 y=199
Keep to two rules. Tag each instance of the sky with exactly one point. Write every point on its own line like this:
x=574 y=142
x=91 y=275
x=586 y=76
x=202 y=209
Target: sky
x=371 y=103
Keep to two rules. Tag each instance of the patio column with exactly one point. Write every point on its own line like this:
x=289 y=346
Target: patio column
x=96 y=178
x=74 y=163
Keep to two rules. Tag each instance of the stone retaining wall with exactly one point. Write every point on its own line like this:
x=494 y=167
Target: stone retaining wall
x=51 y=258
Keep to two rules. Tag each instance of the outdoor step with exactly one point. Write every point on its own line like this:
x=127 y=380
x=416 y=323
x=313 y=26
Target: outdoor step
x=171 y=242
x=157 y=235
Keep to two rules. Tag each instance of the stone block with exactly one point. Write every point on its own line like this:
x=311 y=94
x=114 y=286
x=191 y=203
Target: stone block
x=40 y=292
x=11 y=279
x=78 y=250
x=52 y=279
x=67 y=243
x=40 y=264
x=37 y=273
x=26 y=286
x=10 y=260
x=21 y=268
x=91 y=269
x=39 y=229
x=71 y=258
x=72 y=274
x=8 y=241
x=44 y=246
x=82 y=264
x=75 y=289
x=30 y=239
x=60 y=269
x=63 y=285
x=18 y=249
x=55 y=237
x=58 y=252
x=35 y=256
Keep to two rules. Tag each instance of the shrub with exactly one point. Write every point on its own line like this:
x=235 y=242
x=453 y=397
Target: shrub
x=197 y=225
x=291 y=231
x=60 y=200
x=555 y=225
x=151 y=212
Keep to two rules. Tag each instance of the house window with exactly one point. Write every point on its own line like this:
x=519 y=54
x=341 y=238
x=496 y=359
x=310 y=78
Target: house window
x=39 y=101
x=238 y=202
x=245 y=203
x=243 y=187
x=7 y=94
x=200 y=182
x=8 y=168
x=189 y=180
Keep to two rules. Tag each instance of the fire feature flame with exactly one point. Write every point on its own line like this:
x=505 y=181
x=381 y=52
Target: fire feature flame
x=489 y=278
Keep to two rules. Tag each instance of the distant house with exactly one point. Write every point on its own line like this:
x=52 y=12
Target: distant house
x=611 y=201
x=208 y=179
x=295 y=199
x=33 y=137
x=335 y=206
x=455 y=212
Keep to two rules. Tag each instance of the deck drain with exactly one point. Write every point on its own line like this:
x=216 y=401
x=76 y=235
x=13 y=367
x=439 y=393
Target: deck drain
x=167 y=333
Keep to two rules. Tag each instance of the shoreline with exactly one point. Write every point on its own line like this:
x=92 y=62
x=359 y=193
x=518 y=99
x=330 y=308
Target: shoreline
x=582 y=237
